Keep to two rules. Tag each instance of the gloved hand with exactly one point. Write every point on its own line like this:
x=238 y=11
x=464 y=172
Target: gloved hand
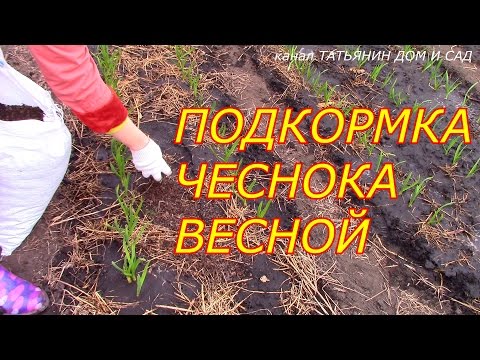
x=150 y=162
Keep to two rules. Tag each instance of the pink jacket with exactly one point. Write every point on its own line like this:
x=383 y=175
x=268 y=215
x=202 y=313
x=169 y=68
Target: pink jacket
x=73 y=76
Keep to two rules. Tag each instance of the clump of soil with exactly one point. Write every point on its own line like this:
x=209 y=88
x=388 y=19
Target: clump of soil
x=20 y=112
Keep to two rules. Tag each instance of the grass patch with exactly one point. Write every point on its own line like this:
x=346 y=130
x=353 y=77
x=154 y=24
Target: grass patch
x=417 y=187
x=131 y=235
x=416 y=105
x=457 y=155
x=474 y=169
x=364 y=139
x=376 y=71
x=262 y=208
x=309 y=71
x=324 y=90
x=447 y=147
x=396 y=96
x=466 y=97
x=108 y=64
x=119 y=164
x=449 y=85
x=188 y=70
x=382 y=155
x=437 y=216
x=388 y=79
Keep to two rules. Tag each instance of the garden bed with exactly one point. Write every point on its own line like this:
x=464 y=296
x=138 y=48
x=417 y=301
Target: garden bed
x=421 y=255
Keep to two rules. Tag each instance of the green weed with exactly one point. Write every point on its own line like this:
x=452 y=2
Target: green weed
x=437 y=123
x=447 y=147
x=416 y=105
x=249 y=189
x=376 y=71
x=108 y=63
x=362 y=62
x=449 y=86
x=193 y=82
x=407 y=183
x=213 y=107
x=460 y=147
x=130 y=238
x=437 y=81
x=466 y=97
x=348 y=109
x=187 y=69
x=380 y=158
x=228 y=151
x=410 y=183
x=119 y=164
x=457 y=155
x=308 y=70
x=396 y=96
x=428 y=64
x=435 y=75
x=417 y=190
x=141 y=278
x=345 y=105
x=262 y=208
x=364 y=139
x=324 y=90
x=388 y=79
x=352 y=52
x=292 y=50
x=475 y=168
x=183 y=55
x=437 y=216
x=436 y=67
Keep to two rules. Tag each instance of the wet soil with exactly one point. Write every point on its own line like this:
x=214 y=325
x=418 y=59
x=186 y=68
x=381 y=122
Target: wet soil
x=454 y=258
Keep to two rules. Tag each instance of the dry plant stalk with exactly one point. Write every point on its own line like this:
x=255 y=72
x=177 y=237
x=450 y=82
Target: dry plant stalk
x=216 y=297
x=307 y=294
x=410 y=304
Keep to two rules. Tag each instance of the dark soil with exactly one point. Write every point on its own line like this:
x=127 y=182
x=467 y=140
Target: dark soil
x=158 y=289
x=166 y=203
x=20 y=112
x=393 y=219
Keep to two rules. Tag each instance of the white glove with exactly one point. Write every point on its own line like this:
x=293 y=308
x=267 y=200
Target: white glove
x=150 y=162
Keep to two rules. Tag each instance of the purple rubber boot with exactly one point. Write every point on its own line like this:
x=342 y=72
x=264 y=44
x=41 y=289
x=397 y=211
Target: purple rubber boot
x=20 y=297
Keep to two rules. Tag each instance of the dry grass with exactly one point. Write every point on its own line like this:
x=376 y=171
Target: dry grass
x=410 y=304
x=439 y=290
x=150 y=83
x=80 y=297
x=216 y=297
x=76 y=301
x=229 y=82
x=292 y=78
x=307 y=293
x=434 y=235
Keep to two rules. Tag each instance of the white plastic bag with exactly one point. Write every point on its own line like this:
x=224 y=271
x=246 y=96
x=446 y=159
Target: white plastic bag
x=34 y=156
